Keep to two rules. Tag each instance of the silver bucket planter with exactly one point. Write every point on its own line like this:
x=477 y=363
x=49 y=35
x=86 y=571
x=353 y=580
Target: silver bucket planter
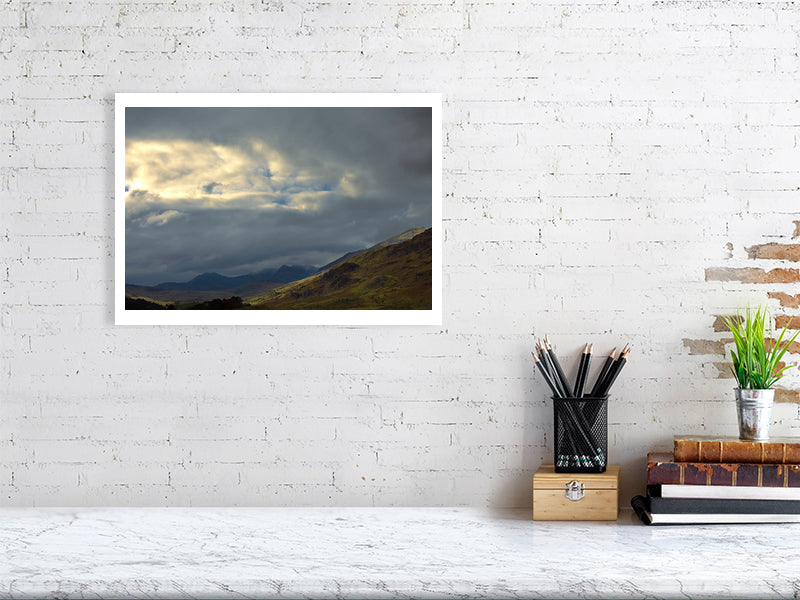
x=754 y=408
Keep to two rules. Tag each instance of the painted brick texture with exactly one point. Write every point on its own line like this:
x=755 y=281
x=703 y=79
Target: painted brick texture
x=613 y=172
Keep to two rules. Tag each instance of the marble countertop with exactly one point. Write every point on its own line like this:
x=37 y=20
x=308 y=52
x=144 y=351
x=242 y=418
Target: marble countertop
x=383 y=553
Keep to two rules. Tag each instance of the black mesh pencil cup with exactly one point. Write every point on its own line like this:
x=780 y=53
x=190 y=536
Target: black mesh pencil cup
x=581 y=434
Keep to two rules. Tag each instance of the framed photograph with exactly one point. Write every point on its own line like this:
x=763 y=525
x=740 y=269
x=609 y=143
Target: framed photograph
x=273 y=209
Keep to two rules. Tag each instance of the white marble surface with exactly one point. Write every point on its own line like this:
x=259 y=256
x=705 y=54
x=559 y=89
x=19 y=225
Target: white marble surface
x=383 y=553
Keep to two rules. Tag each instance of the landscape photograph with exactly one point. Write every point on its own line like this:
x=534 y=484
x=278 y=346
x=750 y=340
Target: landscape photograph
x=309 y=210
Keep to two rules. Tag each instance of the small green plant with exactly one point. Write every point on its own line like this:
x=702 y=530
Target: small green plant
x=755 y=365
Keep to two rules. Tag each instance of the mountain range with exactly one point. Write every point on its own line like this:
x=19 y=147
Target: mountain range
x=215 y=281
x=272 y=287
x=209 y=286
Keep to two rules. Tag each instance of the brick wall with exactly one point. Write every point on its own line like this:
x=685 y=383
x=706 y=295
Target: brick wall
x=776 y=279
x=613 y=172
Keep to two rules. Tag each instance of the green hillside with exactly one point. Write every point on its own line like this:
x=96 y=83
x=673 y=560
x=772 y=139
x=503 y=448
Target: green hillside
x=395 y=277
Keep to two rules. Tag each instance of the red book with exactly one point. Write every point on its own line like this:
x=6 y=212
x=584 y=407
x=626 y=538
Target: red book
x=696 y=448
x=663 y=469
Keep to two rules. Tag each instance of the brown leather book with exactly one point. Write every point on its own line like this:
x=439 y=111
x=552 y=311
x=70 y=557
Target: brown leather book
x=663 y=469
x=695 y=448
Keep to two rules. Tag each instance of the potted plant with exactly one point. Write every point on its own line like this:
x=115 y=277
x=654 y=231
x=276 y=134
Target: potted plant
x=755 y=366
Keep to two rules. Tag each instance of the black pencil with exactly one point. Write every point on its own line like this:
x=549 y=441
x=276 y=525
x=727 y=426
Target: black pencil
x=545 y=374
x=614 y=373
x=577 y=455
x=559 y=370
x=602 y=375
x=547 y=361
x=607 y=379
x=579 y=374
x=583 y=370
x=540 y=355
x=570 y=443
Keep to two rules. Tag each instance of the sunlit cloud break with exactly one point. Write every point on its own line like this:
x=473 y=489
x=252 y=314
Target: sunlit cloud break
x=162 y=218
x=201 y=174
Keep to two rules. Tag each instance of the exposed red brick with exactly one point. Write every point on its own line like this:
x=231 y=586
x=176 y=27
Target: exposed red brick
x=705 y=346
x=783 y=395
x=719 y=322
x=786 y=300
x=723 y=370
x=775 y=252
x=794 y=347
x=781 y=321
x=788 y=321
x=752 y=275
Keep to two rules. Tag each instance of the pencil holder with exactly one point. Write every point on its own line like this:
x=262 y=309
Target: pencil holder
x=581 y=434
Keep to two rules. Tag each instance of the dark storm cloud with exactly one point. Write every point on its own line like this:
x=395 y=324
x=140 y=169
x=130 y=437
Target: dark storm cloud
x=242 y=189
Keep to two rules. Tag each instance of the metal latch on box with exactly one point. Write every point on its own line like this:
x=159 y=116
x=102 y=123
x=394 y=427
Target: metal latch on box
x=573 y=490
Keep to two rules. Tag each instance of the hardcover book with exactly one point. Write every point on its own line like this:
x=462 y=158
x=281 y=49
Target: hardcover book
x=741 y=492
x=640 y=505
x=690 y=448
x=662 y=468
x=721 y=506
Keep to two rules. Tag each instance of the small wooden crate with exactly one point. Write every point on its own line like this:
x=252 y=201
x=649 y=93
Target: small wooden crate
x=575 y=496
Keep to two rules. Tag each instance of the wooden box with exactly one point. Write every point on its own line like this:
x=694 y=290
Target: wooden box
x=575 y=496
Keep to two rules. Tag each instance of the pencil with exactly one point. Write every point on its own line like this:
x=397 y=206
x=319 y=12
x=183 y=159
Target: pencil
x=613 y=370
x=545 y=374
x=572 y=451
x=540 y=354
x=583 y=370
x=547 y=360
x=602 y=375
x=559 y=370
x=614 y=373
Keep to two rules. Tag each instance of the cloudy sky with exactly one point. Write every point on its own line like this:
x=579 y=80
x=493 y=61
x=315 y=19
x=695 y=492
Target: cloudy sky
x=237 y=190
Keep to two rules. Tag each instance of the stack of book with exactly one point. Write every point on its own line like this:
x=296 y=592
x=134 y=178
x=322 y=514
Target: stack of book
x=722 y=480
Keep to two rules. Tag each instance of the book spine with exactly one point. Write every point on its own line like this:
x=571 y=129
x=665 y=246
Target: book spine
x=733 y=492
x=730 y=474
x=718 y=451
x=722 y=506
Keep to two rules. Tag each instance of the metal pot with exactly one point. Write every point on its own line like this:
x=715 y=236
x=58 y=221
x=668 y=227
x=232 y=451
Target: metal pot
x=754 y=409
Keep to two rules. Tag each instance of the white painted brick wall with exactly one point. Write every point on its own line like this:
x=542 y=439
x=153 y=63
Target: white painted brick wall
x=598 y=157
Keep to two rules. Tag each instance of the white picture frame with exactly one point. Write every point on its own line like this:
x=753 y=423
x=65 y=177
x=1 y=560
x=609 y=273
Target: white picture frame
x=138 y=107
